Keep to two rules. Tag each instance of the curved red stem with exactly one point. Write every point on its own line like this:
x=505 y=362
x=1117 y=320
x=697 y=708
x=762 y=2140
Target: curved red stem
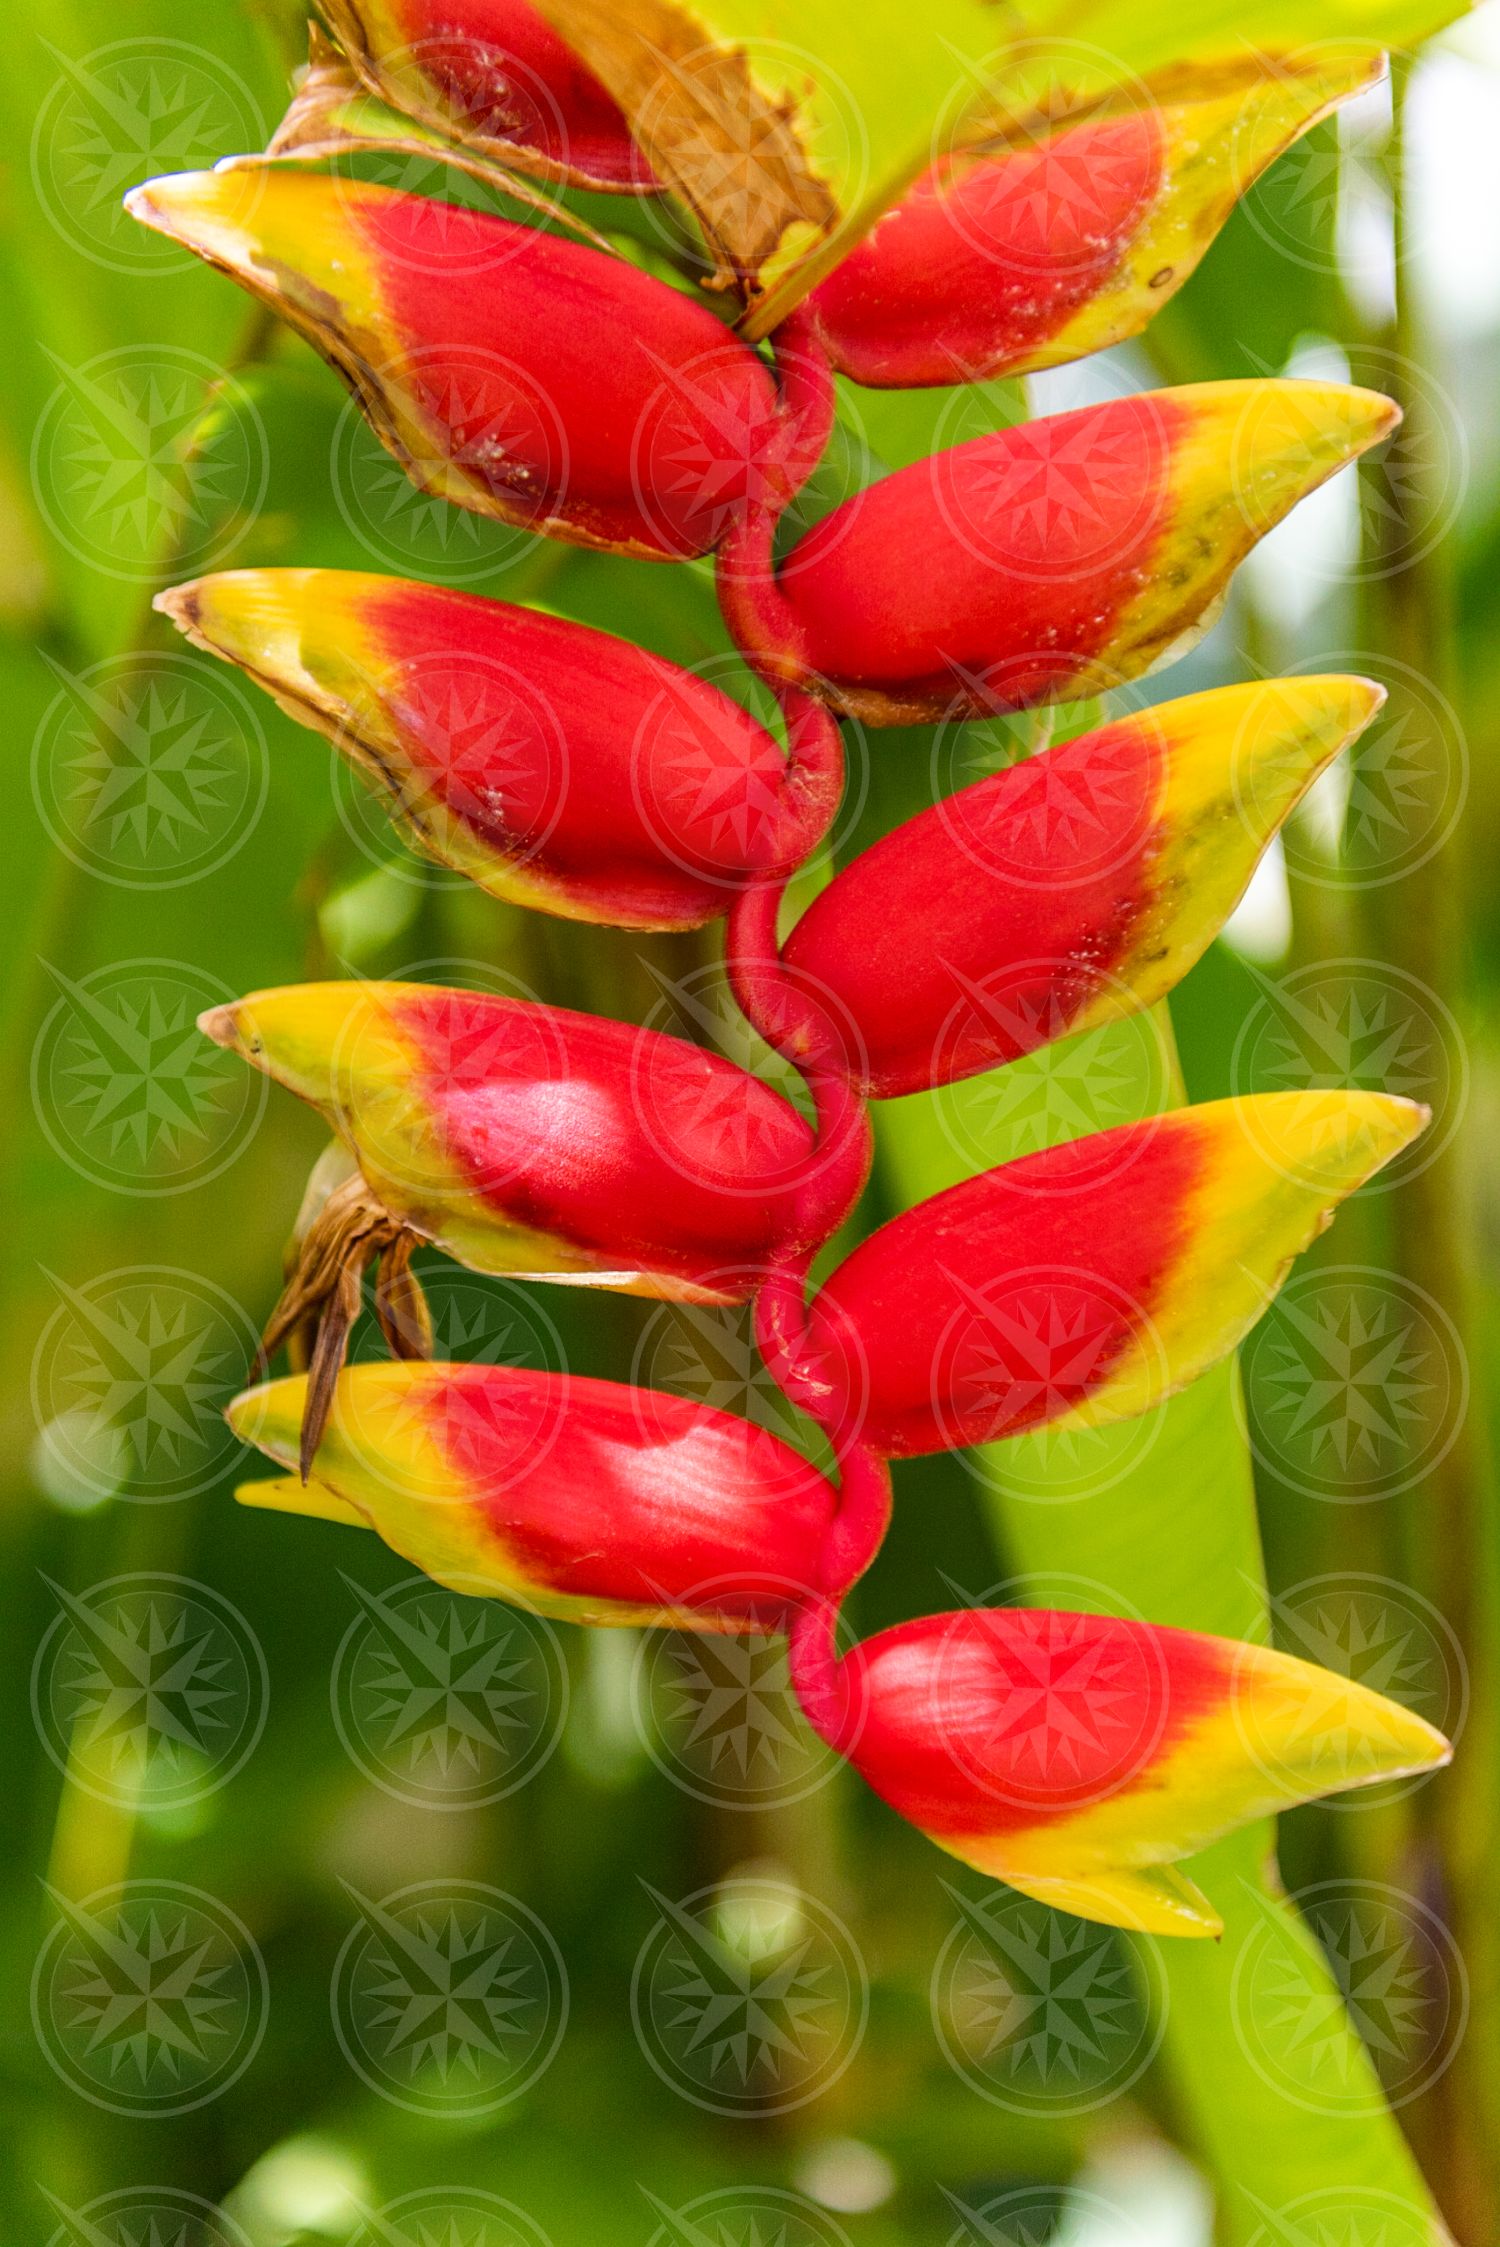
x=794 y=1023
x=817 y=1673
x=808 y=399
x=758 y=616
x=760 y=620
x=813 y=786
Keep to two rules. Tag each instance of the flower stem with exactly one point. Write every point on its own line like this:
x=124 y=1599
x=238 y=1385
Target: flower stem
x=1417 y=924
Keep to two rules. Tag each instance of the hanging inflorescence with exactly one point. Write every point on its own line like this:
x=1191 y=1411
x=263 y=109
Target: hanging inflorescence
x=541 y=379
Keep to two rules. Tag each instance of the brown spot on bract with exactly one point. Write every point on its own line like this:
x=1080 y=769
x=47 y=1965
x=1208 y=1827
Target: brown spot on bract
x=730 y=150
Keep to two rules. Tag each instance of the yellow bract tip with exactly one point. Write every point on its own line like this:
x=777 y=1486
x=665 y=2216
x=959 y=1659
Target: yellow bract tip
x=1257 y=447
x=284 y=1494
x=1284 y=438
x=270 y=1417
x=1312 y=1731
x=1330 y=1142
x=242 y=614
x=320 y=1039
x=205 y=211
x=292 y=238
x=219 y=1023
x=1145 y=1899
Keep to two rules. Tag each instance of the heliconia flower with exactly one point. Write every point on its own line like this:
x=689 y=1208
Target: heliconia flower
x=552 y=764
x=584 y=1499
x=509 y=370
x=1087 y=1282
x=495 y=74
x=1021 y=566
x=1003 y=259
x=1079 y=1756
x=333 y=115
x=1068 y=889
x=527 y=1138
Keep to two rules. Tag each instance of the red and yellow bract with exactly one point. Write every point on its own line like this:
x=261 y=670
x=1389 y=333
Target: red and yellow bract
x=1069 y=889
x=527 y=1138
x=587 y=1500
x=554 y=765
x=1078 y=1756
x=1089 y=1281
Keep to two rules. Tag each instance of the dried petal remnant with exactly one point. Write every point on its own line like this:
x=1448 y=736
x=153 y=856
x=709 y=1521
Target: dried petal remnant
x=730 y=144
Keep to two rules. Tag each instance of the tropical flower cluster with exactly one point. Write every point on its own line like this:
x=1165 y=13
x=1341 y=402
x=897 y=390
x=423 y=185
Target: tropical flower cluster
x=526 y=368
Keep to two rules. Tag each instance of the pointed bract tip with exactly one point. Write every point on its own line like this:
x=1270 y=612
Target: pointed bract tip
x=251 y=617
x=221 y=1024
x=1345 y=701
x=1294 y=727
x=177 y=603
x=1358 y=417
x=207 y=212
x=1388 y=1123
x=1317 y=1732
x=1340 y=73
x=284 y=1494
x=1283 y=438
x=1337 y=415
x=269 y=1415
x=1331 y=1140
x=1378 y=413
x=1424 y=1748
x=1381 y=1738
x=163 y=203
x=1368 y=696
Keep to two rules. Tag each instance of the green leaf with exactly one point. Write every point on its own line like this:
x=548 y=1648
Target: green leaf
x=1159 y=1520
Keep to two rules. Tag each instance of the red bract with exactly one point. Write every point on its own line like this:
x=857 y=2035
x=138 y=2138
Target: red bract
x=1076 y=1756
x=552 y=764
x=1089 y=1281
x=1068 y=889
x=988 y=256
x=527 y=1138
x=495 y=73
x=1023 y=566
x=585 y=1499
x=559 y=387
x=1007 y=258
x=509 y=370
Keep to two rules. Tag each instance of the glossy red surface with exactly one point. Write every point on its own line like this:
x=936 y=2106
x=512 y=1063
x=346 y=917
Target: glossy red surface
x=1006 y=1301
x=1005 y=560
x=988 y=256
x=635 y=783
x=635 y=1145
x=577 y=389
x=603 y=1491
x=977 y=930
x=992 y=1720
